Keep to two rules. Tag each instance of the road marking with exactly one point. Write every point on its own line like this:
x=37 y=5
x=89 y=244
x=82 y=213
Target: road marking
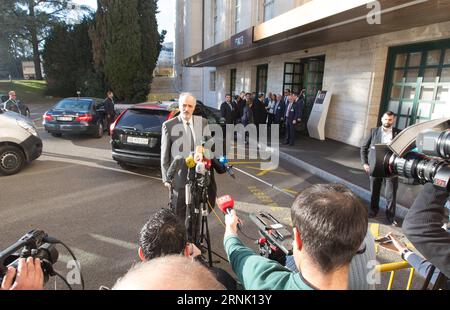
x=85 y=258
x=266 y=171
x=290 y=191
x=120 y=243
x=95 y=165
x=245 y=162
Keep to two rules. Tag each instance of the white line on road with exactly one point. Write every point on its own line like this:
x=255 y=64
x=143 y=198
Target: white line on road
x=94 y=165
x=120 y=243
x=85 y=258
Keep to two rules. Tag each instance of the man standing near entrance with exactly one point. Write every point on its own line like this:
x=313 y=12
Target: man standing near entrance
x=381 y=135
x=228 y=110
x=293 y=117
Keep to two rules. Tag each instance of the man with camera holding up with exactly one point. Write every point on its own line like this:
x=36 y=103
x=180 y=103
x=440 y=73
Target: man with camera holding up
x=381 y=135
x=324 y=244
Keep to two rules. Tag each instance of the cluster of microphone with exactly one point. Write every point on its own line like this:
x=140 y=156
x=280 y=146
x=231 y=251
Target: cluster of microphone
x=200 y=161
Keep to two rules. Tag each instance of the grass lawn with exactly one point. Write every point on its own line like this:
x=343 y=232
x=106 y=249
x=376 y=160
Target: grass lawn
x=28 y=91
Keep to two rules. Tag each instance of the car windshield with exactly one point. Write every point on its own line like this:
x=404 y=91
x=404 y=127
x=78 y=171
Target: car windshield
x=74 y=105
x=144 y=120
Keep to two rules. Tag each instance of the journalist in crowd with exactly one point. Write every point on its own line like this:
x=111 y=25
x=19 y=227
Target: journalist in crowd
x=324 y=244
x=164 y=234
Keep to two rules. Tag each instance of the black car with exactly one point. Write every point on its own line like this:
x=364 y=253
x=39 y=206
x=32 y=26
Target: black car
x=76 y=115
x=24 y=110
x=136 y=134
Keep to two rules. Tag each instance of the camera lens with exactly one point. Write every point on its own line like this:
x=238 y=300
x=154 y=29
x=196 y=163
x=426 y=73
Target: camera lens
x=433 y=143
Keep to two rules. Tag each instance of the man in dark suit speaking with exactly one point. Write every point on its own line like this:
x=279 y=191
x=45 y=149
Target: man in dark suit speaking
x=381 y=135
x=180 y=136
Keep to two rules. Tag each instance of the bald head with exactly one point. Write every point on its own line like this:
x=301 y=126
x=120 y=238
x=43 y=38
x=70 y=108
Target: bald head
x=169 y=273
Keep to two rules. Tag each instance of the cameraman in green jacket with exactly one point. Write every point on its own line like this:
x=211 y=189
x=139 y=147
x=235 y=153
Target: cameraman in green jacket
x=330 y=223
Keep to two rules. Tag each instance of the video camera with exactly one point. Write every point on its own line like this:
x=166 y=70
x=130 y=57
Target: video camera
x=420 y=152
x=34 y=244
x=276 y=241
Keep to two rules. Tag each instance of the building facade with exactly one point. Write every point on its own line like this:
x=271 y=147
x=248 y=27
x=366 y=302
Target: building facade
x=164 y=66
x=373 y=56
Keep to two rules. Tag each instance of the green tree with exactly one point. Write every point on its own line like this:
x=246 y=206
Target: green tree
x=31 y=21
x=123 y=47
x=126 y=46
x=68 y=61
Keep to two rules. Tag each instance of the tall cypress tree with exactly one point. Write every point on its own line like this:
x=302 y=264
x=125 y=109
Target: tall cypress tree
x=123 y=47
x=126 y=45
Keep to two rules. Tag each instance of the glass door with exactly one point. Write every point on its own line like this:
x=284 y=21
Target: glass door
x=261 y=79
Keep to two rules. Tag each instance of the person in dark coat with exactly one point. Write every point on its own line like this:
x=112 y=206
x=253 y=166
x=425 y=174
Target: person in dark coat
x=259 y=112
x=383 y=134
x=228 y=110
x=293 y=117
x=110 y=113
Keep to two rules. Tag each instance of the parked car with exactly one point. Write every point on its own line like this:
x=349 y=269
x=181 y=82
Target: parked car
x=76 y=115
x=136 y=133
x=24 y=110
x=19 y=142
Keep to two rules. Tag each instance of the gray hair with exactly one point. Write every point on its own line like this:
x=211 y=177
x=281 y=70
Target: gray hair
x=184 y=96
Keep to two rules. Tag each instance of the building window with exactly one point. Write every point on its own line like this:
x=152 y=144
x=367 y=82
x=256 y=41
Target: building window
x=268 y=9
x=261 y=79
x=418 y=84
x=233 y=82
x=212 y=81
x=216 y=22
x=292 y=77
x=237 y=16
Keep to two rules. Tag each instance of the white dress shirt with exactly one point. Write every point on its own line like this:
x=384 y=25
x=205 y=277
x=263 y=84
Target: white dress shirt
x=386 y=135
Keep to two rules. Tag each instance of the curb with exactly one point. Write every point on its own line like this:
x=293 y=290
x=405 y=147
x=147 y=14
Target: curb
x=363 y=193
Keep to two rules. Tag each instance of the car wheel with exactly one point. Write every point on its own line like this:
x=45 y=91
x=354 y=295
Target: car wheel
x=12 y=159
x=100 y=131
x=57 y=135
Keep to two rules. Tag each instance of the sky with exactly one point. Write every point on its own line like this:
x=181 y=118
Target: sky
x=166 y=17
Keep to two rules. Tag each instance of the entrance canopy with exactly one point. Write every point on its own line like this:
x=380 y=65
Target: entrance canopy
x=322 y=22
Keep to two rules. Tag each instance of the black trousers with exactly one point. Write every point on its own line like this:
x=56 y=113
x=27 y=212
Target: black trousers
x=390 y=194
x=289 y=133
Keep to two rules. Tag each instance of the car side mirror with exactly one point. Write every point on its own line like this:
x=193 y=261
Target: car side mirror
x=222 y=121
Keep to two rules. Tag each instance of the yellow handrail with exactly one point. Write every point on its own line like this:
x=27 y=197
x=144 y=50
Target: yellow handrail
x=392 y=268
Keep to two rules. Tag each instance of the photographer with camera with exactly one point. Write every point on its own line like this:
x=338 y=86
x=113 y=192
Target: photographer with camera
x=381 y=135
x=423 y=226
x=28 y=276
x=164 y=234
x=324 y=244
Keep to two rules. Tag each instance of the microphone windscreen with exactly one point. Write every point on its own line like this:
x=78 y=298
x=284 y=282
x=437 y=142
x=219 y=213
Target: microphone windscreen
x=190 y=162
x=225 y=202
x=200 y=168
